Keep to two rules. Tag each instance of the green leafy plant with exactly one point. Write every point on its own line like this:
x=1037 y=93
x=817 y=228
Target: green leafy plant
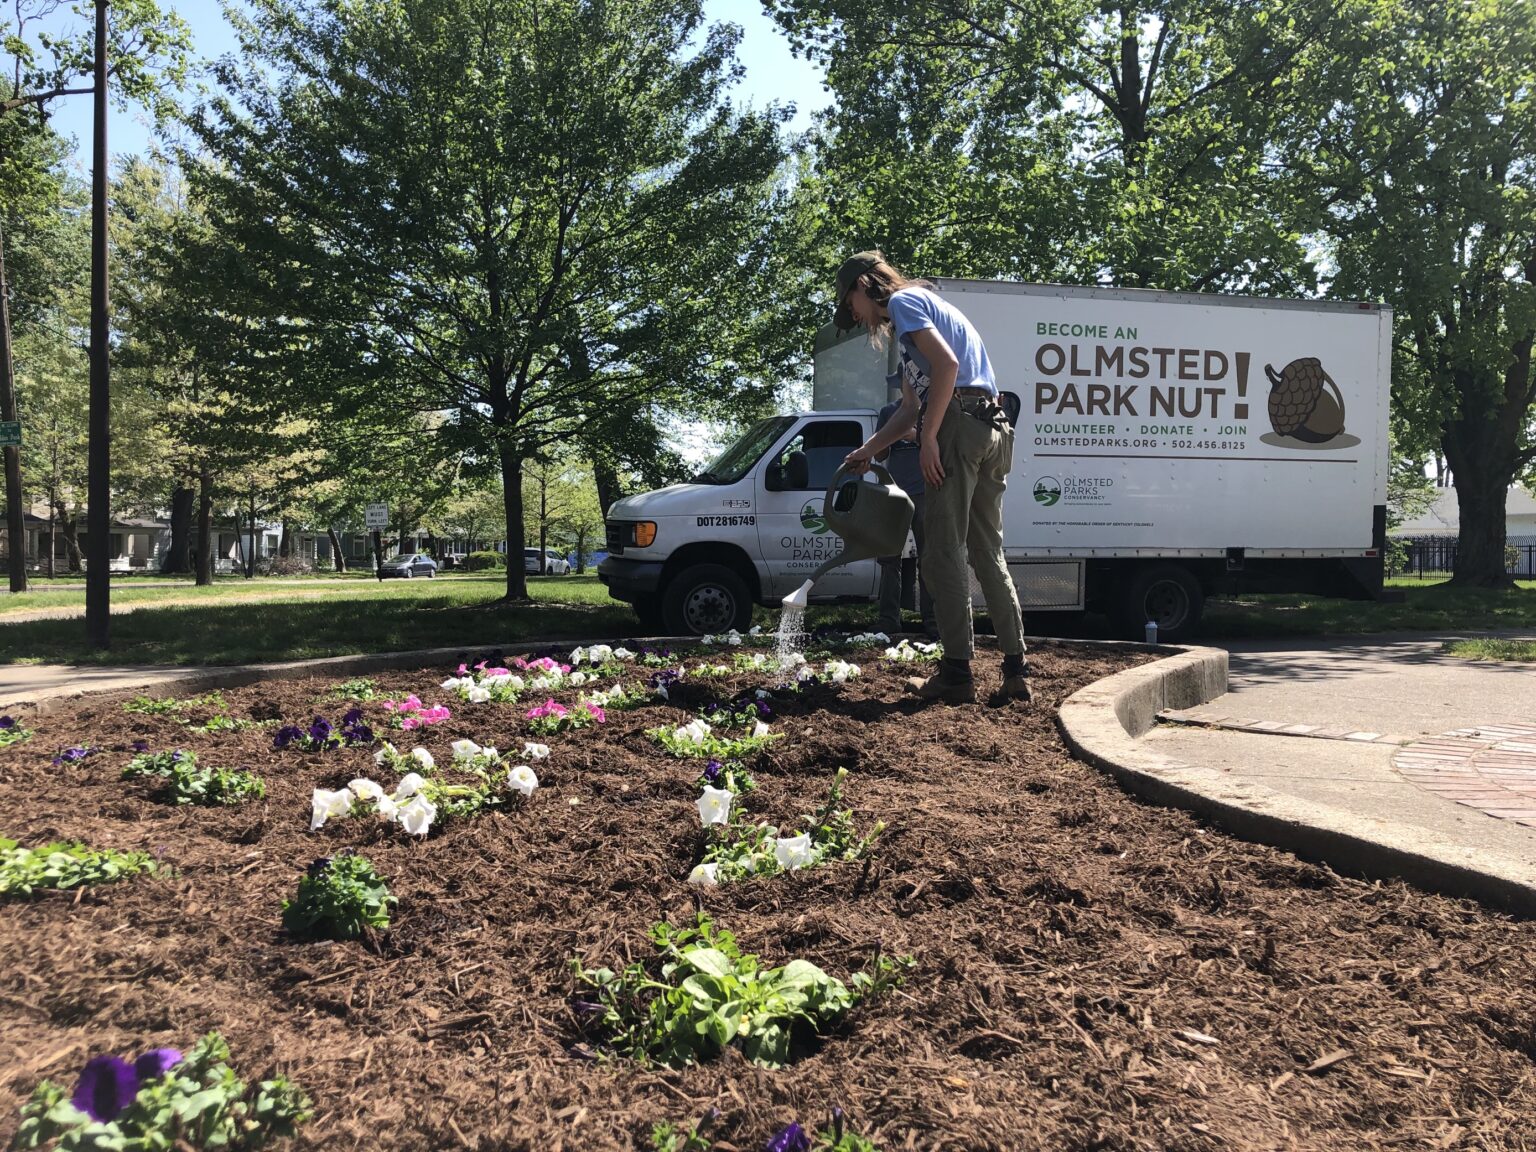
x=701 y=993
x=222 y=723
x=669 y=1137
x=64 y=864
x=169 y=705
x=360 y=689
x=339 y=898
x=12 y=731
x=158 y=763
x=162 y=1101
x=212 y=787
x=697 y=740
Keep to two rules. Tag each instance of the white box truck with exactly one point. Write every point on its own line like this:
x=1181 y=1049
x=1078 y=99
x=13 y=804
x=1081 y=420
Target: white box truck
x=1168 y=445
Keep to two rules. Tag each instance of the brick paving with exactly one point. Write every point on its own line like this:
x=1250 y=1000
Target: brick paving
x=1489 y=767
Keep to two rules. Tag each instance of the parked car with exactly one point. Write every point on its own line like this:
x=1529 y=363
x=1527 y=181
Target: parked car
x=408 y=564
x=546 y=563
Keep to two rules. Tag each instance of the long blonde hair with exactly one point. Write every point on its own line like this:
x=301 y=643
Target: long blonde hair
x=880 y=283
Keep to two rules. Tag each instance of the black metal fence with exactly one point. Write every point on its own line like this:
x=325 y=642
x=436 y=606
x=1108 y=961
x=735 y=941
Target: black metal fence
x=1435 y=556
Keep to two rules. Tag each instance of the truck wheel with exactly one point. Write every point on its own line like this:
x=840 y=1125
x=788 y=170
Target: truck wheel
x=1167 y=594
x=704 y=599
x=648 y=610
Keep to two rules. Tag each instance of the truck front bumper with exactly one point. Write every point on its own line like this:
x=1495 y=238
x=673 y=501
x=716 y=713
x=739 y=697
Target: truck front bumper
x=628 y=579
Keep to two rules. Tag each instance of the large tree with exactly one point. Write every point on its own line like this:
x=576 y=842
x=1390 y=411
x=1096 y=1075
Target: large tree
x=1068 y=140
x=518 y=213
x=1427 y=161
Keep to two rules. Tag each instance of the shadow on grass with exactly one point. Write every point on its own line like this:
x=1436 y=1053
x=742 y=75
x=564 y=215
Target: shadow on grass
x=300 y=629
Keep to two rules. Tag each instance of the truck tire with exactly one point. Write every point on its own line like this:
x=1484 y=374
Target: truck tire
x=704 y=599
x=648 y=611
x=1167 y=594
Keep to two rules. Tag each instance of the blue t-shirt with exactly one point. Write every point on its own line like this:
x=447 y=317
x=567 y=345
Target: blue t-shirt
x=912 y=310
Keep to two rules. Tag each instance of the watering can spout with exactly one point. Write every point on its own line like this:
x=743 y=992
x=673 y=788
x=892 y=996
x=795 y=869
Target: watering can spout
x=872 y=520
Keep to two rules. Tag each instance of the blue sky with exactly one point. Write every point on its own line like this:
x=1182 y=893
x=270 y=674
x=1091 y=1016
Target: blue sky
x=773 y=73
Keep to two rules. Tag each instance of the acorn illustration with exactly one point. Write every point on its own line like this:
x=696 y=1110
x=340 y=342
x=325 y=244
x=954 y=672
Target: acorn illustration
x=1300 y=404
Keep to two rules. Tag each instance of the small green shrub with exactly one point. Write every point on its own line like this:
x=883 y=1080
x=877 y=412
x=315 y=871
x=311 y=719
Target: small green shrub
x=169 y=705
x=64 y=864
x=212 y=787
x=339 y=898
x=484 y=561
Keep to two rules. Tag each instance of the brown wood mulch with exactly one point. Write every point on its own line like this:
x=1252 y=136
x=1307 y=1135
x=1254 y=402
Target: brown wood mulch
x=1092 y=973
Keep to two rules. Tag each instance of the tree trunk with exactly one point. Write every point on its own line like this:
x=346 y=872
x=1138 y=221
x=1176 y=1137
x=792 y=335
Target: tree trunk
x=1481 y=497
x=512 y=505
x=70 y=522
x=205 y=527
x=250 y=553
x=178 y=557
x=581 y=551
x=337 y=557
x=285 y=541
x=15 y=505
x=608 y=487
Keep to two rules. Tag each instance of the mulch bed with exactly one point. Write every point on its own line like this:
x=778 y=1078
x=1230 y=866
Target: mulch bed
x=1092 y=973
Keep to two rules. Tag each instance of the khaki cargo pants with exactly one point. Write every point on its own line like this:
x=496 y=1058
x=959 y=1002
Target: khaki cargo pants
x=963 y=521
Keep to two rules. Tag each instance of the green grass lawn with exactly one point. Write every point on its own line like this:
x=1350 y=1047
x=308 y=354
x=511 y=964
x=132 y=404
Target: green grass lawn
x=273 y=623
x=1424 y=608
x=1519 y=651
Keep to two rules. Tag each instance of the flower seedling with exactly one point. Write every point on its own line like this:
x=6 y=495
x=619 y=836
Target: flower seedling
x=12 y=731
x=169 y=705
x=64 y=865
x=726 y=774
x=741 y=848
x=908 y=652
x=361 y=690
x=74 y=755
x=163 y=1100
x=700 y=993
x=486 y=685
x=668 y=1137
x=212 y=787
x=339 y=898
x=618 y=697
x=219 y=722
x=323 y=736
x=161 y=764
x=417 y=760
x=698 y=740
x=552 y=717
x=411 y=713
x=835 y=1137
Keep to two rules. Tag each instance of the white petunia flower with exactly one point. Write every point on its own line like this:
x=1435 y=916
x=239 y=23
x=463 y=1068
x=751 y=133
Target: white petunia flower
x=759 y=730
x=424 y=758
x=325 y=804
x=733 y=637
x=388 y=809
x=479 y=695
x=577 y=679
x=490 y=753
x=841 y=671
x=695 y=732
x=535 y=751
x=522 y=779
x=410 y=784
x=417 y=814
x=386 y=754
x=795 y=852
x=578 y=655
x=365 y=789
x=600 y=653
x=623 y=654
x=755 y=630
x=516 y=683
x=705 y=876
x=714 y=805
x=452 y=684
x=465 y=749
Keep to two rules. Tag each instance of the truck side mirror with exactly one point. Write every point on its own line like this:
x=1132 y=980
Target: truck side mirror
x=773 y=478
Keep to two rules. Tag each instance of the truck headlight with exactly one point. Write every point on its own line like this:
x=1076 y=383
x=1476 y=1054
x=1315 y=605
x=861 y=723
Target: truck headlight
x=645 y=533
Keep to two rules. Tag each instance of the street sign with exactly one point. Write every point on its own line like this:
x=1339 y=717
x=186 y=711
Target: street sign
x=10 y=433
x=376 y=516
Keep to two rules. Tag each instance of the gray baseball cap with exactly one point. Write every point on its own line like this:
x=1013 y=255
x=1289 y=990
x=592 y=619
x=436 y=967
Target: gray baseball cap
x=848 y=275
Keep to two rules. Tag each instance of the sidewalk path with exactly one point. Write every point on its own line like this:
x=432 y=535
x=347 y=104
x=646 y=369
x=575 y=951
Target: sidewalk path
x=1389 y=729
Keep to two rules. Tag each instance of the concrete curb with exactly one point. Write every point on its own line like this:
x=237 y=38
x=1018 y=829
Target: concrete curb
x=1101 y=722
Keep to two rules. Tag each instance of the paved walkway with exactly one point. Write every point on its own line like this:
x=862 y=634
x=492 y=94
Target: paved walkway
x=1390 y=730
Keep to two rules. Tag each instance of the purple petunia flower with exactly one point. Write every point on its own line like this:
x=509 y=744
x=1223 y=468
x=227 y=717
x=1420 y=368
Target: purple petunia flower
x=7 y=722
x=791 y=1138
x=72 y=755
x=712 y=772
x=317 y=867
x=107 y=1086
x=141 y=745
x=353 y=715
x=357 y=734
x=320 y=731
x=287 y=735
x=156 y=1063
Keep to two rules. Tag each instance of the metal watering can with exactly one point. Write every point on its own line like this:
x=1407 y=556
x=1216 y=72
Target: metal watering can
x=872 y=519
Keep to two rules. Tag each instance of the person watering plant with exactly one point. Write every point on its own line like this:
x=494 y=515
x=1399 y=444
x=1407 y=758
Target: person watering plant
x=965 y=451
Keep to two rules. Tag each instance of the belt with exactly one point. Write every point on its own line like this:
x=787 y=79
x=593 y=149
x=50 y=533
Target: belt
x=988 y=393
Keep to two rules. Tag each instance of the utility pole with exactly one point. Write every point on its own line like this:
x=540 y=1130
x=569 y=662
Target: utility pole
x=15 y=522
x=98 y=592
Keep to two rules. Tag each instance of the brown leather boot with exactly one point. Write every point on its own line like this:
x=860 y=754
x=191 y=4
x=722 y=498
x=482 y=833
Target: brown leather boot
x=1015 y=688
x=952 y=683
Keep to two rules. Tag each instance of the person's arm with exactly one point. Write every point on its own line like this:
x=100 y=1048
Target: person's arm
x=943 y=368
x=898 y=427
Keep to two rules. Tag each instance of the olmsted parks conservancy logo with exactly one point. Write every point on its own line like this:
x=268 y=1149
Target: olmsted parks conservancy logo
x=1047 y=490
x=811 y=518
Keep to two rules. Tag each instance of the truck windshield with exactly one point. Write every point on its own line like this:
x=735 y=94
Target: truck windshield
x=734 y=463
